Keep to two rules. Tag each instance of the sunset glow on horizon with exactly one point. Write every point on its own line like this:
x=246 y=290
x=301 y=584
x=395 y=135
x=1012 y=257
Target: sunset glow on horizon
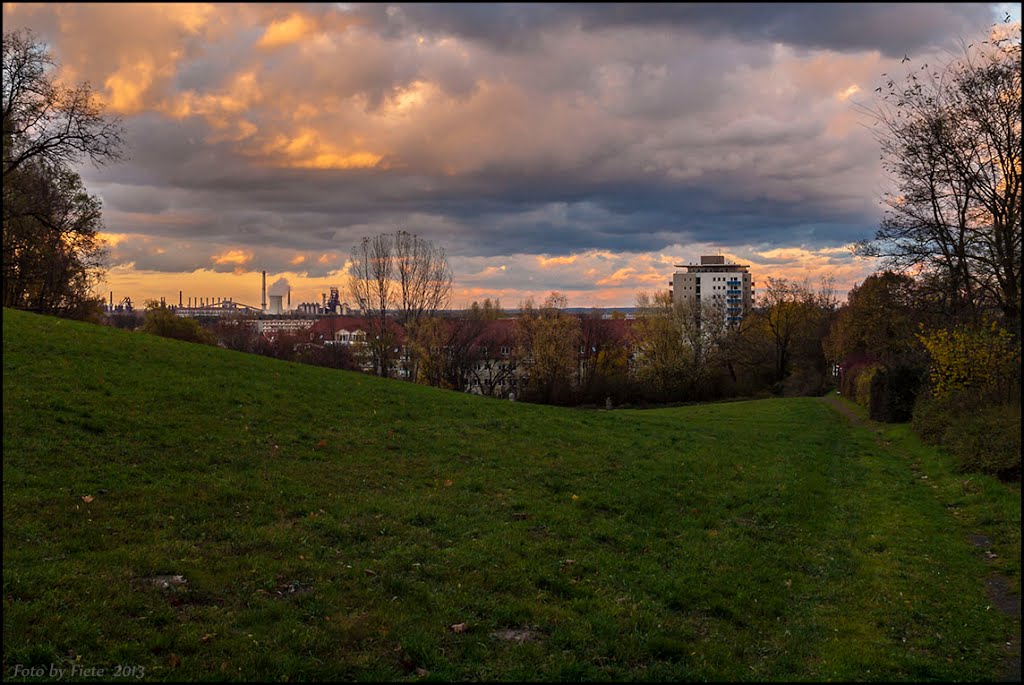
x=585 y=149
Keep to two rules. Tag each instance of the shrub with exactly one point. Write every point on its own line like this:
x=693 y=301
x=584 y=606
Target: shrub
x=981 y=438
x=971 y=358
x=164 y=322
x=988 y=441
x=931 y=417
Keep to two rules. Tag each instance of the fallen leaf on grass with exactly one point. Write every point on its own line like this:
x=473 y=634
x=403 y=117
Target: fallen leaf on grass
x=87 y=498
x=174 y=661
x=447 y=483
x=459 y=627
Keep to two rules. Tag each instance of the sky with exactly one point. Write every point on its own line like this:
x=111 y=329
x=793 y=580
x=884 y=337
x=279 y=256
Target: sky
x=580 y=148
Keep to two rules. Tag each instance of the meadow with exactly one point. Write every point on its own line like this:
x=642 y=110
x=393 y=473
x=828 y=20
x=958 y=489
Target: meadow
x=191 y=513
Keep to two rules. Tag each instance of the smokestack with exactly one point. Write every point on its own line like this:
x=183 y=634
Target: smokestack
x=111 y=299
x=264 y=306
x=179 y=297
x=289 y=298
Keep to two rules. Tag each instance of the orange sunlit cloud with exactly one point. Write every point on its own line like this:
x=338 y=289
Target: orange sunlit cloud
x=308 y=150
x=845 y=93
x=113 y=239
x=127 y=86
x=545 y=262
x=239 y=257
x=286 y=31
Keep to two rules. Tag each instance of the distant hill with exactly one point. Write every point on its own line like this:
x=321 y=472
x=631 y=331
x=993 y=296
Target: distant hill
x=193 y=513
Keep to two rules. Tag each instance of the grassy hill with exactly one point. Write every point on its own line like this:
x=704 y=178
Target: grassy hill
x=331 y=525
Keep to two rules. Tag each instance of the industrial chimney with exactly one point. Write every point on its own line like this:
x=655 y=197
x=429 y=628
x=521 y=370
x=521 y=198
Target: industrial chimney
x=264 y=305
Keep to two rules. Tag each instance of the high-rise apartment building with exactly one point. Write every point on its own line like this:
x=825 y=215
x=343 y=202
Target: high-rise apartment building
x=728 y=285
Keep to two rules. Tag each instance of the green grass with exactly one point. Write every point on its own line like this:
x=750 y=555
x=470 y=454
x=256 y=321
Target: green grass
x=333 y=525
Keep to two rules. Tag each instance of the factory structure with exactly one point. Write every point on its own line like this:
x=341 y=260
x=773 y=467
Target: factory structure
x=727 y=286
x=275 y=313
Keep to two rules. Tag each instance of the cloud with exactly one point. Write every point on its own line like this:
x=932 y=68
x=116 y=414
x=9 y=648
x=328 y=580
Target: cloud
x=893 y=28
x=546 y=137
x=286 y=31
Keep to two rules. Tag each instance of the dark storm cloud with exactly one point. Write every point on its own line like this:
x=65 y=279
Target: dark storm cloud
x=479 y=215
x=223 y=197
x=893 y=29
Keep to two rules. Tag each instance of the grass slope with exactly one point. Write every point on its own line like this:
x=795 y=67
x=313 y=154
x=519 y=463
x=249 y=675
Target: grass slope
x=333 y=525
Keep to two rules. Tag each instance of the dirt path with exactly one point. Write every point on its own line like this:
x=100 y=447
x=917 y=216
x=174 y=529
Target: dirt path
x=843 y=408
x=997 y=586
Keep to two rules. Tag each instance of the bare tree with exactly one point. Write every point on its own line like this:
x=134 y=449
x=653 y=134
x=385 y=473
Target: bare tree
x=46 y=120
x=951 y=139
x=424 y=277
x=398 y=274
x=371 y=284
